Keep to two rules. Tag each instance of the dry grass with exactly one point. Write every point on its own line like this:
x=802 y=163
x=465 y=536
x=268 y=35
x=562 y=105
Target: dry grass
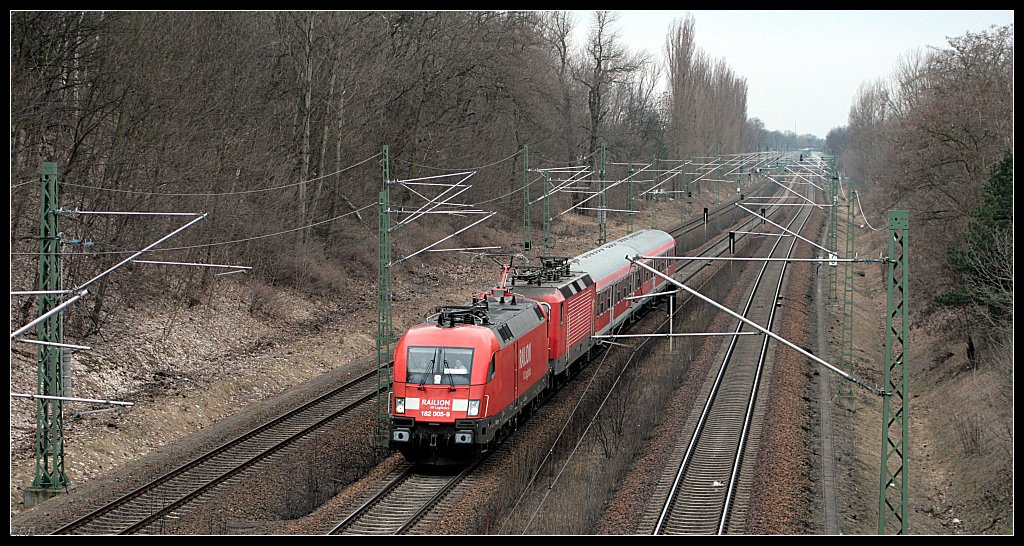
x=623 y=424
x=961 y=420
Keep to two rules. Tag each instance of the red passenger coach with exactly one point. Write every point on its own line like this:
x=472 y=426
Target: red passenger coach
x=616 y=280
x=462 y=379
x=570 y=295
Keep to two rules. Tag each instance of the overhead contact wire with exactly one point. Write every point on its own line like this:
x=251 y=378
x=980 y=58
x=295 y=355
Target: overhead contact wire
x=410 y=163
x=204 y=245
x=598 y=413
x=213 y=194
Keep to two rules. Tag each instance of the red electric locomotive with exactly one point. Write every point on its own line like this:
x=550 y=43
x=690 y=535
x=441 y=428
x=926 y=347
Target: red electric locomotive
x=461 y=379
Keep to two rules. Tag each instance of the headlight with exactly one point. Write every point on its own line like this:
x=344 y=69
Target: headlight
x=400 y=405
x=474 y=408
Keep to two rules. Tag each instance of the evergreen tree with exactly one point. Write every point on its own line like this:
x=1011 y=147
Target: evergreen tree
x=977 y=263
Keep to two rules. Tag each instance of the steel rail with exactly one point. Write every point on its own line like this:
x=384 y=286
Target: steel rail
x=127 y=498
x=705 y=412
x=406 y=478
x=734 y=475
x=372 y=501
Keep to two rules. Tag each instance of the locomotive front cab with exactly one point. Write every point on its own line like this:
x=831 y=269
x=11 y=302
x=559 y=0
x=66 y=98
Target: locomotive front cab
x=440 y=377
x=459 y=383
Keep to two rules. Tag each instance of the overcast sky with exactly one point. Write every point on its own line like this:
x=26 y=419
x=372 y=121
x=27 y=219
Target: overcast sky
x=803 y=68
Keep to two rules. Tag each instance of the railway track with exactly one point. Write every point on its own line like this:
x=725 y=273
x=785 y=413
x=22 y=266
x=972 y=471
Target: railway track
x=718 y=219
x=411 y=495
x=698 y=492
x=180 y=490
x=406 y=498
x=720 y=246
x=714 y=247
x=174 y=492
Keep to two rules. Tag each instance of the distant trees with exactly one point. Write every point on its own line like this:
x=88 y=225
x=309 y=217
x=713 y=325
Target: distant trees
x=837 y=139
x=936 y=138
x=926 y=138
x=604 y=64
x=557 y=34
x=780 y=140
x=706 y=103
x=259 y=118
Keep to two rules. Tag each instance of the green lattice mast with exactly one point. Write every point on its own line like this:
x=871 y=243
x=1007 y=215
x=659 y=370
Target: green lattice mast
x=629 y=198
x=50 y=477
x=602 y=213
x=384 y=331
x=527 y=232
x=846 y=327
x=894 y=480
x=833 y=238
x=652 y=195
x=681 y=192
x=547 y=215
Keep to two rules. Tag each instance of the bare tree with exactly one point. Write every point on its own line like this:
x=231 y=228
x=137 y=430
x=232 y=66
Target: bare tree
x=210 y=110
x=558 y=27
x=604 y=64
x=925 y=138
x=707 y=103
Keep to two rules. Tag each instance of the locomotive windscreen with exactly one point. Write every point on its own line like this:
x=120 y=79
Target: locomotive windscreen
x=439 y=365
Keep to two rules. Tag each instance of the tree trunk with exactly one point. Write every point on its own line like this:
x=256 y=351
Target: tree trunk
x=307 y=121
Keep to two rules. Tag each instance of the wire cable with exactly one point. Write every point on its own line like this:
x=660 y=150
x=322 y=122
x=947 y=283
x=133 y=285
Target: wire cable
x=213 y=194
x=862 y=213
x=555 y=442
x=410 y=163
x=523 y=187
x=563 y=163
x=597 y=413
x=259 y=236
x=264 y=236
